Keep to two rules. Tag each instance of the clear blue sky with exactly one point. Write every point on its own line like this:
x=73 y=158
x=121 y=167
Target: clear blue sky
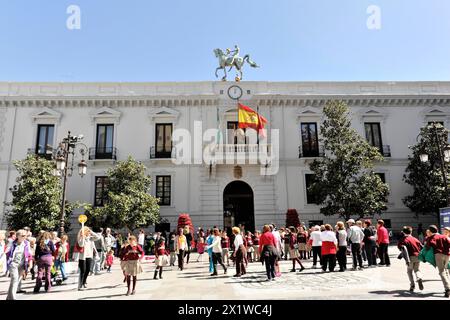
x=172 y=40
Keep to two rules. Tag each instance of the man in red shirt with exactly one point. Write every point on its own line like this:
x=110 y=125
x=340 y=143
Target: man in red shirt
x=383 y=244
x=413 y=247
x=441 y=247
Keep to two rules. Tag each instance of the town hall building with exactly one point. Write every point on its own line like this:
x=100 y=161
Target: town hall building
x=119 y=120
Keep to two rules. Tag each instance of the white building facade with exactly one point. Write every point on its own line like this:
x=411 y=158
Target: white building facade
x=139 y=119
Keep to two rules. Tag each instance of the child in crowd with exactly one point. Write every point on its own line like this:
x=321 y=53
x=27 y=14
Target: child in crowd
x=132 y=254
x=161 y=258
x=249 y=246
x=32 y=262
x=109 y=260
x=200 y=249
x=122 y=262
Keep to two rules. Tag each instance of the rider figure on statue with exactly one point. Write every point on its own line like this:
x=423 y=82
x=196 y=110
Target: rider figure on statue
x=235 y=53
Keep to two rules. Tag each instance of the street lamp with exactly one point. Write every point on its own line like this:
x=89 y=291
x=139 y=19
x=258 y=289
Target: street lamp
x=60 y=163
x=82 y=168
x=62 y=166
x=423 y=157
x=444 y=156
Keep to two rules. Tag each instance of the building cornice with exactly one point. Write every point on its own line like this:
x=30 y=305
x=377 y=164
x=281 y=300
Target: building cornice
x=193 y=101
x=110 y=102
x=213 y=93
x=355 y=100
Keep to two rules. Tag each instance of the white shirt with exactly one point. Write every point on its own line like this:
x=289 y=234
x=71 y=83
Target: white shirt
x=141 y=239
x=88 y=244
x=18 y=255
x=109 y=239
x=216 y=245
x=355 y=234
x=238 y=241
x=316 y=238
x=329 y=236
x=342 y=238
x=277 y=237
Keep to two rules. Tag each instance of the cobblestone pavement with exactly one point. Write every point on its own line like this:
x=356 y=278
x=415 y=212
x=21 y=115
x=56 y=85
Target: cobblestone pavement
x=195 y=283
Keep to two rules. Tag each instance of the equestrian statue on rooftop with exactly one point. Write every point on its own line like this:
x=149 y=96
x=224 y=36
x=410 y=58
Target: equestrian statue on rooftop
x=232 y=59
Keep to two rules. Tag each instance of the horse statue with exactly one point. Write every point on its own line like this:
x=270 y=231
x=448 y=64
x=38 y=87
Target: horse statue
x=225 y=60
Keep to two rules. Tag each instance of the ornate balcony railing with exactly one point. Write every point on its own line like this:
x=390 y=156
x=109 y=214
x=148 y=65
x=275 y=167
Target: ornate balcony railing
x=310 y=153
x=242 y=148
x=386 y=151
x=108 y=153
x=154 y=154
x=49 y=153
x=242 y=153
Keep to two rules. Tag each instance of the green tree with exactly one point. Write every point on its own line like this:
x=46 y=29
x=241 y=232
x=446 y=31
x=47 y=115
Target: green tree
x=343 y=179
x=37 y=197
x=129 y=203
x=426 y=177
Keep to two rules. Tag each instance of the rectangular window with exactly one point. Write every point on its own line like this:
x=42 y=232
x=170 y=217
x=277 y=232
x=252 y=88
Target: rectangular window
x=44 y=142
x=310 y=196
x=163 y=140
x=161 y=227
x=437 y=122
x=442 y=124
x=382 y=176
x=101 y=191
x=373 y=135
x=104 y=148
x=310 y=139
x=387 y=223
x=235 y=138
x=163 y=190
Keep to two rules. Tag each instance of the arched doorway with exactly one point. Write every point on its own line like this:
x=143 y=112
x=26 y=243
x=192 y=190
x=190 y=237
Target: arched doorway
x=238 y=206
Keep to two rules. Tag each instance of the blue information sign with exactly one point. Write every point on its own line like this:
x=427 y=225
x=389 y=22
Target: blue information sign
x=445 y=217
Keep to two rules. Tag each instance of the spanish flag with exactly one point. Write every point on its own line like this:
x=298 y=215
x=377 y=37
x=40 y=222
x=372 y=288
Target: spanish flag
x=249 y=118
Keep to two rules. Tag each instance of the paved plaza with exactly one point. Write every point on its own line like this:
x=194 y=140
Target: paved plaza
x=195 y=283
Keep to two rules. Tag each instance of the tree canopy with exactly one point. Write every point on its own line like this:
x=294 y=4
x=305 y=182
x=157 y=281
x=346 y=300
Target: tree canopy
x=426 y=177
x=37 y=197
x=344 y=181
x=129 y=202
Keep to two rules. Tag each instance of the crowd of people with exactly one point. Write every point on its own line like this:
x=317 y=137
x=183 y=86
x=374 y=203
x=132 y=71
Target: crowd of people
x=46 y=255
x=327 y=246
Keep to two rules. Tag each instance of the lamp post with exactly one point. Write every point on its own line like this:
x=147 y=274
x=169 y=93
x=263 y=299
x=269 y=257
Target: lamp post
x=444 y=156
x=64 y=169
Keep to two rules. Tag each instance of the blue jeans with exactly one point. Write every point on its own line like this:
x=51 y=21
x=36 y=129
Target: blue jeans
x=62 y=267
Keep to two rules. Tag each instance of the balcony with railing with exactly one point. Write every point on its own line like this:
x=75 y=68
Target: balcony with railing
x=242 y=148
x=310 y=153
x=386 y=151
x=253 y=153
x=107 y=153
x=162 y=154
x=48 y=153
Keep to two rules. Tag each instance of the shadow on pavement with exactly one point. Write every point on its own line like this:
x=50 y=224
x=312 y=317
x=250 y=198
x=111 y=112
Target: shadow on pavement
x=102 y=297
x=249 y=281
x=406 y=294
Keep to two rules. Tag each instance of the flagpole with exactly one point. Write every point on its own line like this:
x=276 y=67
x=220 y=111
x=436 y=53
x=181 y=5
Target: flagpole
x=257 y=131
